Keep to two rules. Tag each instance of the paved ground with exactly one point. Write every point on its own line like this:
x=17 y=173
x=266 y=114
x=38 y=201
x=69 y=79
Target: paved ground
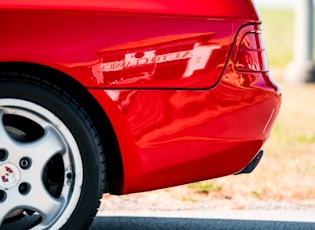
x=217 y=219
x=150 y=211
x=289 y=219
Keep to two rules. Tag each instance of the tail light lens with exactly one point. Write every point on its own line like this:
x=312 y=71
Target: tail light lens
x=251 y=55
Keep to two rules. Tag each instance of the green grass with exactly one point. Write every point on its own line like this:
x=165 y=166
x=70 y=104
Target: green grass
x=278 y=25
x=294 y=130
x=205 y=187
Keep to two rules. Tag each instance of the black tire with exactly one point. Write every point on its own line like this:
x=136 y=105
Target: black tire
x=64 y=185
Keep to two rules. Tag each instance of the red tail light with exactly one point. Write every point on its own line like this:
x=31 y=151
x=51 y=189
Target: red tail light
x=251 y=55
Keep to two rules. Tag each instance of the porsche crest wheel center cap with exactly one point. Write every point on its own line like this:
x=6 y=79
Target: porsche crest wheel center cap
x=9 y=176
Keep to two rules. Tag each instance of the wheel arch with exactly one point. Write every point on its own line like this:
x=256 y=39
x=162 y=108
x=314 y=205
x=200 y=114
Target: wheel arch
x=114 y=168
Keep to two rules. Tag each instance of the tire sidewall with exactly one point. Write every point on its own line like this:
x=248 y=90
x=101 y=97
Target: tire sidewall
x=69 y=112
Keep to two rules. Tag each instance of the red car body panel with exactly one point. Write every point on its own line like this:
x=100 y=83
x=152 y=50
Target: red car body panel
x=188 y=96
x=210 y=9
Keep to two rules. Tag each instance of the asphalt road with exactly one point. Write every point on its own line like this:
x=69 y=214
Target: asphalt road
x=152 y=223
x=195 y=220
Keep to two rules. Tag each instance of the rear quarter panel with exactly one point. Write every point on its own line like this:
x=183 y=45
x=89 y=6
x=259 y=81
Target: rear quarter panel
x=178 y=132
x=89 y=40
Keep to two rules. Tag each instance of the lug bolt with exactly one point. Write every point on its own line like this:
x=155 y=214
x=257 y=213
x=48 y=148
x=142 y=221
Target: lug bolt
x=24 y=188
x=69 y=175
x=25 y=163
x=3 y=154
x=3 y=195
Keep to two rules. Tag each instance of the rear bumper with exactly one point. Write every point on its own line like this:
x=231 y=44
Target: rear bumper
x=172 y=137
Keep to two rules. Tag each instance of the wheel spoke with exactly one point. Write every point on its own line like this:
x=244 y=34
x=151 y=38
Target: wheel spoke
x=37 y=199
x=5 y=210
x=6 y=140
x=39 y=151
x=42 y=202
x=43 y=149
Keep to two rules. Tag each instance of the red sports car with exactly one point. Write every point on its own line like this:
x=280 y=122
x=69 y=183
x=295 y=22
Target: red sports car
x=124 y=96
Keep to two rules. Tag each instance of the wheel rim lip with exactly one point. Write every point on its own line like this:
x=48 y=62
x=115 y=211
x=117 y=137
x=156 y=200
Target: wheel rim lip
x=43 y=116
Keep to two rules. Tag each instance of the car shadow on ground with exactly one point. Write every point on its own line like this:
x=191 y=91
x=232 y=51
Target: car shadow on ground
x=163 y=223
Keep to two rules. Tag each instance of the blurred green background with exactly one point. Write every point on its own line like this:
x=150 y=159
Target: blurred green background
x=278 y=24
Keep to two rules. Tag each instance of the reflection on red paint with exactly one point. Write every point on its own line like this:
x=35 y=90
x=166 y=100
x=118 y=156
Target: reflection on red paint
x=252 y=54
x=163 y=61
x=197 y=59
